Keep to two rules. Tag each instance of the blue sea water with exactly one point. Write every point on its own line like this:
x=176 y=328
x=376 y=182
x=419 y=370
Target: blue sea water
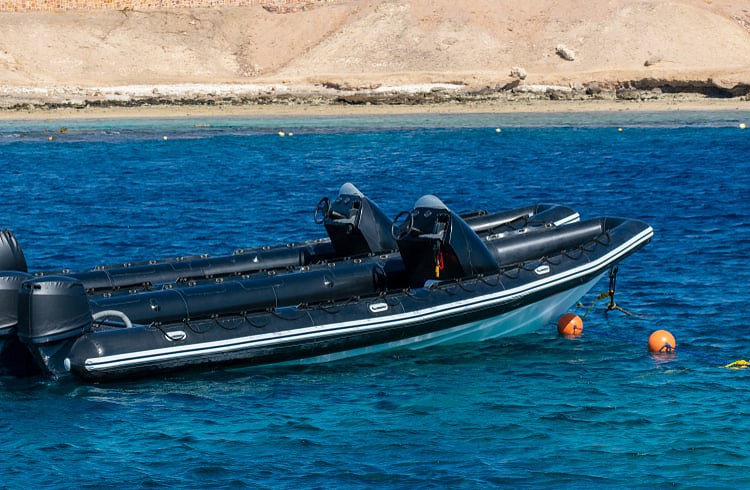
x=530 y=411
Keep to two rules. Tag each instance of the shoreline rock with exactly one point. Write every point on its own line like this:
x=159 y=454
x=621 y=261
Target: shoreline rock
x=29 y=98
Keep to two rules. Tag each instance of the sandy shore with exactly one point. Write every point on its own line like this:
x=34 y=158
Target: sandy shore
x=537 y=106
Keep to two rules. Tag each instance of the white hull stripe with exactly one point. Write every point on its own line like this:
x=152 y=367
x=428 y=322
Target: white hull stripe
x=573 y=218
x=364 y=324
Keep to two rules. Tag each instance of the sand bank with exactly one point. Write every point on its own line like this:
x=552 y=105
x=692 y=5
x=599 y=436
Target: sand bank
x=682 y=103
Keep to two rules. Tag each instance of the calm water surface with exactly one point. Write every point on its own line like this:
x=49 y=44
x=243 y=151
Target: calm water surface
x=531 y=411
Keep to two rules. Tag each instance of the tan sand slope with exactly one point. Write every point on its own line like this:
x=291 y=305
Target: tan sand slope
x=353 y=44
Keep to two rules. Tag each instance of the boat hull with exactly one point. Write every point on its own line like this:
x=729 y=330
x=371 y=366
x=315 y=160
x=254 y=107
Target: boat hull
x=524 y=320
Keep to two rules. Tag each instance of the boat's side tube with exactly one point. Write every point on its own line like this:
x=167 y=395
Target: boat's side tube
x=207 y=267
x=486 y=222
x=249 y=295
x=529 y=216
x=552 y=215
x=554 y=240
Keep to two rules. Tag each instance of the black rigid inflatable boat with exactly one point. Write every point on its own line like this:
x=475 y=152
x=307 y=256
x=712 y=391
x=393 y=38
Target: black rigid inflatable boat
x=358 y=231
x=445 y=284
x=355 y=224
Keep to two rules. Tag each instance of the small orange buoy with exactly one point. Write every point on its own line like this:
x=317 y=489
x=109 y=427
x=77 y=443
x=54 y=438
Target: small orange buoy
x=661 y=341
x=570 y=324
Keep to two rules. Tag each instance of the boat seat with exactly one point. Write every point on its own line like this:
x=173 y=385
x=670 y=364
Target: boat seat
x=436 y=244
x=355 y=224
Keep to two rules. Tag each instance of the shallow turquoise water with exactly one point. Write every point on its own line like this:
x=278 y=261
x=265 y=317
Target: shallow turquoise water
x=536 y=410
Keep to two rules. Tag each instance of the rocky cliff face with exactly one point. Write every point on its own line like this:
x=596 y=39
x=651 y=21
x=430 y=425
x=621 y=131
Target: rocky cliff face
x=482 y=45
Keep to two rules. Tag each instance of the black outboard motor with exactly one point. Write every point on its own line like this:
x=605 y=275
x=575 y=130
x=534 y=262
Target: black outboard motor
x=11 y=255
x=437 y=244
x=52 y=313
x=355 y=224
x=14 y=357
x=10 y=284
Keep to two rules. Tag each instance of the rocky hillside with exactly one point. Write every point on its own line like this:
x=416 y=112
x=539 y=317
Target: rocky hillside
x=358 y=44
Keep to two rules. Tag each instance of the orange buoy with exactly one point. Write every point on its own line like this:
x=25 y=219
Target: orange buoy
x=570 y=324
x=661 y=341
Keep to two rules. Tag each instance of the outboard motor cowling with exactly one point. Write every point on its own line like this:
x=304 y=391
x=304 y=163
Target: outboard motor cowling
x=10 y=284
x=14 y=357
x=355 y=224
x=11 y=255
x=435 y=243
x=52 y=313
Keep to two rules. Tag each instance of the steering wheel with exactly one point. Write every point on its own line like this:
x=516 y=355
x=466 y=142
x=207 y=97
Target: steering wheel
x=401 y=231
x=321 y=210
